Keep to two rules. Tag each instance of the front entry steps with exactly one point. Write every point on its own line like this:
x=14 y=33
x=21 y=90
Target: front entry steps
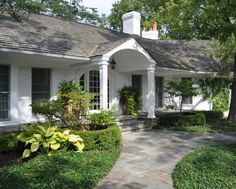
x=132 y=123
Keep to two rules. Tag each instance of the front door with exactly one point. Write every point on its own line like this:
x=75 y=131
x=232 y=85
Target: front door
x=137 y=83
x=159 y=92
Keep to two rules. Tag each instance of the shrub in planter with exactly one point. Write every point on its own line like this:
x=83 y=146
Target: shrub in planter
x=130 y=100
x=101 y=119
x=182 y=120
x=109 y=138
x=48 y=139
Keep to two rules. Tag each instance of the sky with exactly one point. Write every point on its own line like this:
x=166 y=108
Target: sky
x=103 y=6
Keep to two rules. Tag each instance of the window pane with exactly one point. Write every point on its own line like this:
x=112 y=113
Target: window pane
x=4 y=92
x=40 y=84
x=81 y=81
x=94 y=87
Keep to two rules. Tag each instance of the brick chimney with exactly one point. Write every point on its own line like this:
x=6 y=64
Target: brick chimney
x=131 y=23
x=152 y=33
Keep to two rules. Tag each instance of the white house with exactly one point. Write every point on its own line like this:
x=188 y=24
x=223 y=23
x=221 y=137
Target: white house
x=38 y=54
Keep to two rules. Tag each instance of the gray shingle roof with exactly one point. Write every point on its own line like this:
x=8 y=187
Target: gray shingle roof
x=46 y=34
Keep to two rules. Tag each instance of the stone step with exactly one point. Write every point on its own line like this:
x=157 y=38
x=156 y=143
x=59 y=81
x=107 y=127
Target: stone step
x=128 y=122
x=126 y=118
x=134 y=127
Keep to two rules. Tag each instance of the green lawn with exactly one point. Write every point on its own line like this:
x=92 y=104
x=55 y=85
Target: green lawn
x=218 y=125
x=212 y=167
x=67 y=169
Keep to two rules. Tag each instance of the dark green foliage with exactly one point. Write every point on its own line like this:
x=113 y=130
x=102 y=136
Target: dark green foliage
x=106 y=139
x=211 y=87
x=182 y=120
x=8 y=142
x=208 y=168
x=67 y=169
x=212 y=115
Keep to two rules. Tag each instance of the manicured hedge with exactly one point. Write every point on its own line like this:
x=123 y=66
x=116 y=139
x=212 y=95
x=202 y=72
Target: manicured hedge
x=101 y=139
x=94 y=140
x=182 y=120
x=212 y=115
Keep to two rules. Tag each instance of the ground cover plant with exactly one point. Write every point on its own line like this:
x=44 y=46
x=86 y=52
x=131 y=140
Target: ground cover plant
x=66 y=169
x=208 y=168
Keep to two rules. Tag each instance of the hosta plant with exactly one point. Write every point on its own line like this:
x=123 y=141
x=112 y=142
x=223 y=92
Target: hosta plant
x=48 y=139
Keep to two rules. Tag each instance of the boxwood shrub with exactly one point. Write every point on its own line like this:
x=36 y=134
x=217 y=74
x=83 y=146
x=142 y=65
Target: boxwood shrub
x=101 y=139
x=212 y=115
x=182 y=120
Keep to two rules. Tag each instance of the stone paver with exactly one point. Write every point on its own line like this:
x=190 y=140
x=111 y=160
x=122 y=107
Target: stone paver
x=149 y=157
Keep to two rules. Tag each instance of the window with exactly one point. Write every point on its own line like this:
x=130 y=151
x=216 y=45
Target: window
x=187 y=100
x=40 y=84
x=82 y=81
x=4 y=91
x=94 y=87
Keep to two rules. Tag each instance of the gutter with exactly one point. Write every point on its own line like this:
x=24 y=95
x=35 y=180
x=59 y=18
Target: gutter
x=44 y=54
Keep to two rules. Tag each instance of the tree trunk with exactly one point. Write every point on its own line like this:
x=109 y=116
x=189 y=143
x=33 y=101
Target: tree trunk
x=232 y=108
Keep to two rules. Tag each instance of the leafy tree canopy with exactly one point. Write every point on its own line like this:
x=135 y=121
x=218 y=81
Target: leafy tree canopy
x=71 y=10
x=188 y=19
x=205 y=19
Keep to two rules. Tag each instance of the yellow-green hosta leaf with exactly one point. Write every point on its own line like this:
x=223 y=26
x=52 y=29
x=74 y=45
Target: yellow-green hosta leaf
x=51 y=141
x=38 y=137
x=45 y=144
x=34 y=147
x=79 y=146
x=30 y=141
x=26 y=153
x=41 y=129
x=22 y=137
x=59 y=134
x=75 y=138
x=66 y=132
x=55 y=146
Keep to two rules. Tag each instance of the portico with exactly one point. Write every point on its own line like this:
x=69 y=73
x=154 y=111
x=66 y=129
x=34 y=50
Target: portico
x=129 y=59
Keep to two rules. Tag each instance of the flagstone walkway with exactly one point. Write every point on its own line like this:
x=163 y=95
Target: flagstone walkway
x=149 y=157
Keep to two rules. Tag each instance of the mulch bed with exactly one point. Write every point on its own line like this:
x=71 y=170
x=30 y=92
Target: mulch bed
x=11 y=157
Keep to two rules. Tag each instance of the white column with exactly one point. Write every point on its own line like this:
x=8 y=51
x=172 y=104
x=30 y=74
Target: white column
x=103 y=71
x=151 y=92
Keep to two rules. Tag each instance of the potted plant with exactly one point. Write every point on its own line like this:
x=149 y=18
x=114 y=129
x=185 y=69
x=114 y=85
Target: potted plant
x=129 y=100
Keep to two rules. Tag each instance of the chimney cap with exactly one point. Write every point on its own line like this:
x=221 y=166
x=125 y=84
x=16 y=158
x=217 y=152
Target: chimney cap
x=131 y=14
